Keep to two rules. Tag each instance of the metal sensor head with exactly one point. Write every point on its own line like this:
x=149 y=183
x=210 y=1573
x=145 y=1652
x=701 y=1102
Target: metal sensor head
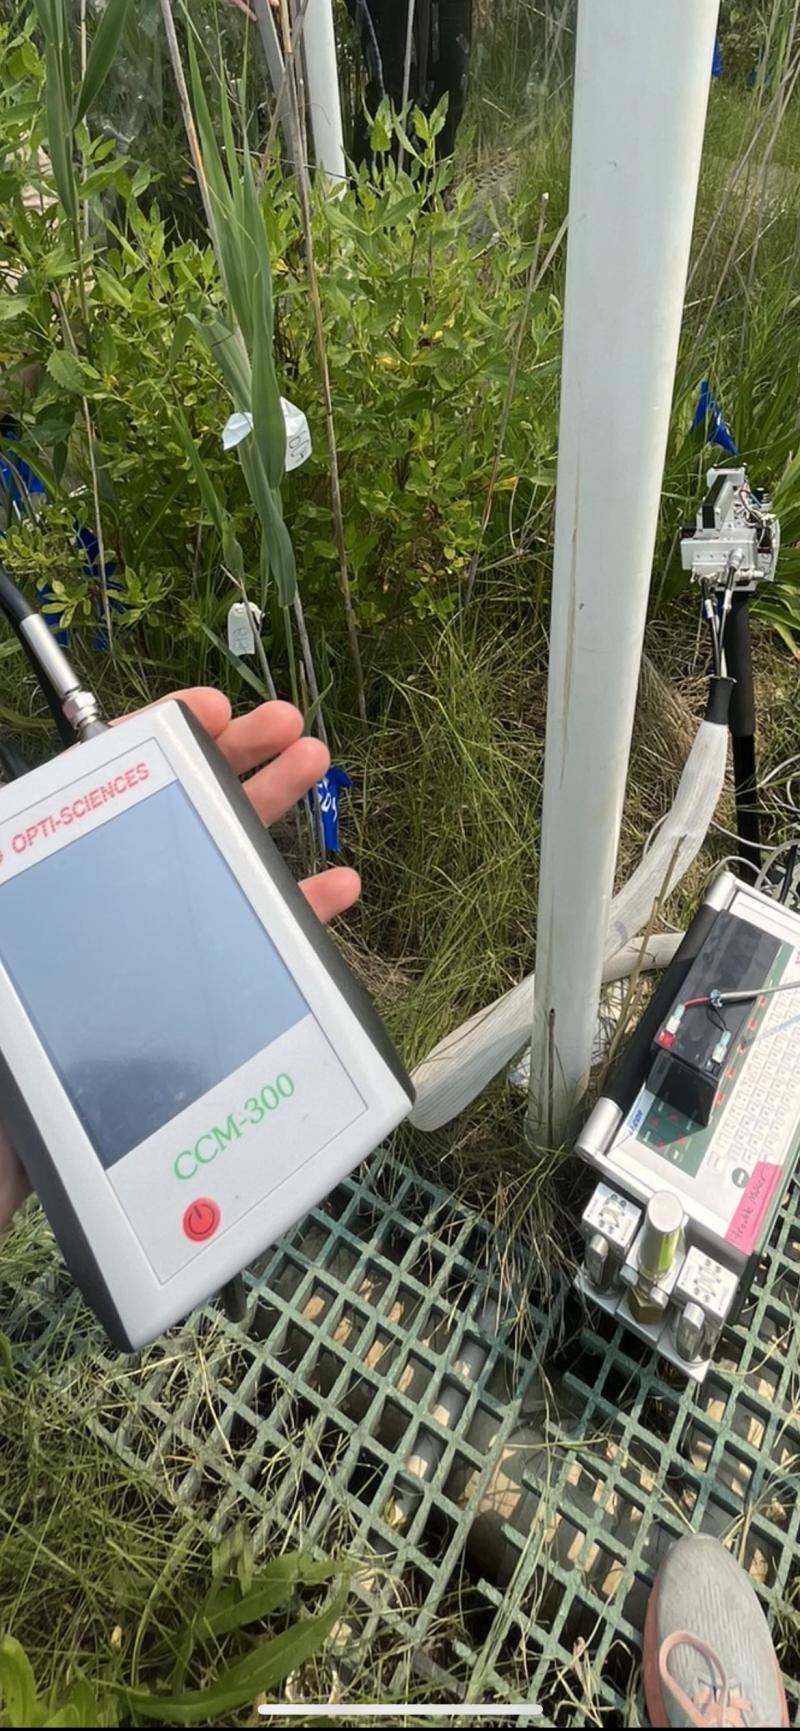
x=610 y=1223
x=661 y=1235
x=735 y=539
x=596 y=1259
x=690 y=1333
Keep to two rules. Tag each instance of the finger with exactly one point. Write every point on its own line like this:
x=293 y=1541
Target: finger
x=210 y=706
x=277 y=788
x=260 y=735
x=251 y=739
x=331 y=893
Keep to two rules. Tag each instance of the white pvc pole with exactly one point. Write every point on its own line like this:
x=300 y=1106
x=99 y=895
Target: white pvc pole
x=322 y=88
x=273 y=54
x=642 y=76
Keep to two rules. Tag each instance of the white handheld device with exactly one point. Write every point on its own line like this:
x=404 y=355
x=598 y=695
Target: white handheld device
x=186 y=1062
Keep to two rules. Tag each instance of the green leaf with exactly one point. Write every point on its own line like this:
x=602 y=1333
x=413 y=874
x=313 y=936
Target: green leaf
x=227 y=217
x=59 y=137
x=58 y=102
x=256 y=234
x=12 y=305
x=269 y=427
x=225 y=348
x=404 y=139
x=421 y=126
x=401 y=208
x=258 y=1671
x=180 y=338
x=83 y=1700
x=315 y=708
x=789 y=479
x=246 y=673
x=208 y=493
x=380 y=136
x=164 y=509
x=99 y=181
x=141 y=180
x=227 y=1608
x=231 y=551
x=101 y=55
x=18 y=1685
x=24 y=62
x=6 y=1357
x=268 y=505
x=781 y=624
x=65 y=370
x=113 y=290
x=221 y=199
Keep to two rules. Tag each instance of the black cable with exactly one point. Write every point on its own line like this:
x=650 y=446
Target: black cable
x=12 y=601
x=748 y=824
x=17 y=609
x=739 y=660
x=788 y=876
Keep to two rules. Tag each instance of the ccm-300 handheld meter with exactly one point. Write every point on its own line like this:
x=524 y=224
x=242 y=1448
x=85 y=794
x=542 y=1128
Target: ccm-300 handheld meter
x=186 y=1062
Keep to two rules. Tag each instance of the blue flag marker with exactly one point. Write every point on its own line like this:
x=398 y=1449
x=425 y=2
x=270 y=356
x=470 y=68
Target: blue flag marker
x=716 y=64
x=709 y=416
x=328 y=790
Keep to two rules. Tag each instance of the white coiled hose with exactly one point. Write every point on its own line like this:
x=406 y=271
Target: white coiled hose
x=465 y=1061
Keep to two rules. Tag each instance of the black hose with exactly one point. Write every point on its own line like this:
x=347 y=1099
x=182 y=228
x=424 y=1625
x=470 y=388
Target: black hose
x=12 y=601
x=739 y=661
x=788 y=876
x=748 y=822
x=17 y=609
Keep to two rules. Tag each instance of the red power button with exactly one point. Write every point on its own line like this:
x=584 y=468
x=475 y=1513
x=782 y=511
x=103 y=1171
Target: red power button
x=201 y=1219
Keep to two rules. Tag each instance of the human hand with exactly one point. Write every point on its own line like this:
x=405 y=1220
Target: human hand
x=270 y=740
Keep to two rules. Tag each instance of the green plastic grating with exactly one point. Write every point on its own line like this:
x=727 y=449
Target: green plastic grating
x=506 y=1489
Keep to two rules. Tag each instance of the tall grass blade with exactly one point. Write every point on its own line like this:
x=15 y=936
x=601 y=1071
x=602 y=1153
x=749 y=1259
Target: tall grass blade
x=268 y=423
x=262 y=1669
x=58 y=103
x=229 y=356
x=101 y=54
x=268 y=505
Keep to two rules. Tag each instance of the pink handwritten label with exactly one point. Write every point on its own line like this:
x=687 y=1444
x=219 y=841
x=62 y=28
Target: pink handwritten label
x=746 y=1223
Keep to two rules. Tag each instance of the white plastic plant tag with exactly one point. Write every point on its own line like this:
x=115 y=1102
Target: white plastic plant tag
x=298 y=436
x=236 y=429
x=244 y=619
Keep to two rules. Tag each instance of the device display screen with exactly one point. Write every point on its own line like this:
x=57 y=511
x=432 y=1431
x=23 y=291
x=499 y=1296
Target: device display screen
x=143 y=968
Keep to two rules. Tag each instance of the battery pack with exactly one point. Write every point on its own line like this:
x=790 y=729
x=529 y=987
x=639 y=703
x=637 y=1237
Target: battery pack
x=698 y=1037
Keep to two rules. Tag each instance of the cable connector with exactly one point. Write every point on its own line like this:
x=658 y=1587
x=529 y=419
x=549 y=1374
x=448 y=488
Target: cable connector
x=83 y=714
x=79 y=707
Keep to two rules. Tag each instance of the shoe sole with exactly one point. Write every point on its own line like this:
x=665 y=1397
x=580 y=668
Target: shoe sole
x=653 y=1692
